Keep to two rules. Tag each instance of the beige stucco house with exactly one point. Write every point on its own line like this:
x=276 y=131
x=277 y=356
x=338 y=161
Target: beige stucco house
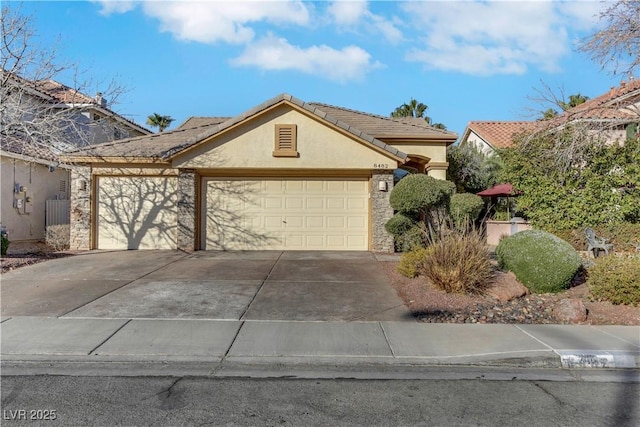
x=286 y=174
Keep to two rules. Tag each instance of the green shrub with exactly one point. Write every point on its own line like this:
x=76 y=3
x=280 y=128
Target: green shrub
x=540 y=260
x=621 y=235
x=412 y=262
x=616 y=279
x=465 y=209
x=459 y=263
x=399 y=224
x=413 y=239
x=416 y=194
x=4 y=244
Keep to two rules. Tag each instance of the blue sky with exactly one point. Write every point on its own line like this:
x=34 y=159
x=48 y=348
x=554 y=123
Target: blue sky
x=465 y=60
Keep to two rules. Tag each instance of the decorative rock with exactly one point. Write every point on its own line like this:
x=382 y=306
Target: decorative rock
x=506 y=287
x=570 y=310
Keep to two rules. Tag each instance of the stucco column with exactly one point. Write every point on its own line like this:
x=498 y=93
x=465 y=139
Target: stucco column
x=80 y=208
x=187 y=209
x=382 y=241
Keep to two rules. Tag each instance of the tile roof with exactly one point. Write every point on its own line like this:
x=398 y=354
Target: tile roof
x=165 y=145
x=21 y=147
x=612 y=105
x=63 y=93
x=387 y=127
x=53 y=91
x=499 y=134
x=194 y=121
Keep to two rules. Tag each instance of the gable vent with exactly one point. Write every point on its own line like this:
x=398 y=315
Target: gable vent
x=285 y=141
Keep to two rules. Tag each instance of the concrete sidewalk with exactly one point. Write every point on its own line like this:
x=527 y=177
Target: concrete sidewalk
x=220 y=342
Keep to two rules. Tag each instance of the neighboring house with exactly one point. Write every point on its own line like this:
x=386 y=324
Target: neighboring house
x=284 y=175
x=30 y=145
x=29 y=177
x=614 y=115
x=489 y=136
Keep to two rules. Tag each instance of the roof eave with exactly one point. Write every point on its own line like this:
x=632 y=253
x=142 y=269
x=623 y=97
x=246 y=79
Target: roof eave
x=112 y=159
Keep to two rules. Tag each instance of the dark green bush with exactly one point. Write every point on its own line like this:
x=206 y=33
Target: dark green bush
x=540 y=260
x=416 y=194
x=399 y=224
x=458 y=263
x=616 y=279
x=465 y=209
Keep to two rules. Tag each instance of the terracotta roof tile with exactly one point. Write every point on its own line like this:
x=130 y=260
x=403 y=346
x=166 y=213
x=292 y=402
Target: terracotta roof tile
x=499 y=134
x=608 y=106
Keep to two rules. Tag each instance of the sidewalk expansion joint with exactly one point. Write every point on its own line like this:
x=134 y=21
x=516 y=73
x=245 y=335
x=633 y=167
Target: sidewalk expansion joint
x=384 y=333
x=110 y=336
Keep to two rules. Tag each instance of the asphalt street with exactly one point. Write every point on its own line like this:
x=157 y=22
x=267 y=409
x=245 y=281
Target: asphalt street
x=170 y=401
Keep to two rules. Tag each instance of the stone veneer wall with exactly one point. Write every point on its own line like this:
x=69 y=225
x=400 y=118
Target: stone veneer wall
x=80 y=209
x=382 y=212
x=187 y=209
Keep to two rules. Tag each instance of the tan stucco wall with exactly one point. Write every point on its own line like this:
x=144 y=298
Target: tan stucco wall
x=41 y=185
x=436 y=151
x=251 y=146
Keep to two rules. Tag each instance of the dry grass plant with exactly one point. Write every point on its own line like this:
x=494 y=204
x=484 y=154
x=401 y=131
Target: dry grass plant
x=57 y=237
x=459 y=263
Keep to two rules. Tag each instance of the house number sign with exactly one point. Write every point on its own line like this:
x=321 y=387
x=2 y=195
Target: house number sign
x=381 y=166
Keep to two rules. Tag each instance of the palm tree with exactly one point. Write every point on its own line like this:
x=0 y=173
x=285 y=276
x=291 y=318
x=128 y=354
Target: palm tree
x=416 y=109
x=161 y=122
x=574 y=100
x=412 y=109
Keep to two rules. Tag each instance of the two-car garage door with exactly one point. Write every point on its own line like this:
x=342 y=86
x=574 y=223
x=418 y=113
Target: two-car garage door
x=285 y=214
x=257 y=213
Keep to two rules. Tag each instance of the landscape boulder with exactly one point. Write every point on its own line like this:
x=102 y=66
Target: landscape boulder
x=570 y=310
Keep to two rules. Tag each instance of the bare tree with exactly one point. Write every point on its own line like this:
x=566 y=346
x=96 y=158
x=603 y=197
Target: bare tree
x=37 y=113
x=618 y=43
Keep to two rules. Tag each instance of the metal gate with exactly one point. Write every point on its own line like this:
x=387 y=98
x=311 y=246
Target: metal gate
x=57 y=212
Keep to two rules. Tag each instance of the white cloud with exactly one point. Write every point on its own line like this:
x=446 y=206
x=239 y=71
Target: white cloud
x=355 y=13
x=213 y=21
x=486 y=38
x=115 y=6
x=348 y=12
x=274 y=53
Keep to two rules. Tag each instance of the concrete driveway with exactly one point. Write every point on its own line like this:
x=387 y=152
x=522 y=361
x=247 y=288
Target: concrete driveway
x=261 y=285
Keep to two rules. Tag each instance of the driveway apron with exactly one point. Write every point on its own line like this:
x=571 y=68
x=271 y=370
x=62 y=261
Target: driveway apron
x=256 y=285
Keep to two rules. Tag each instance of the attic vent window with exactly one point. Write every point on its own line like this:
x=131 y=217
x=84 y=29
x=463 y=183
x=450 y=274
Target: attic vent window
x=285 y=141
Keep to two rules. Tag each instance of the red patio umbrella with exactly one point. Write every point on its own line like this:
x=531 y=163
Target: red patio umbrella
x=501 y=190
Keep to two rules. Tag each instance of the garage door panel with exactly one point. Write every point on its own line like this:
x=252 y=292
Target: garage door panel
x=136 y=213
x=294 y=214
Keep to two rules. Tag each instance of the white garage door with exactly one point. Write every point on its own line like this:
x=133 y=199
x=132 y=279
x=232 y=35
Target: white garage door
x=136 y=213
x=291 y=214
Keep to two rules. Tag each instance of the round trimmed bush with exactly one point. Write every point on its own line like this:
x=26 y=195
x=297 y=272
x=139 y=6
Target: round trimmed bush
x=541 y=261
x=399 y=224
x=465 y=208
x=417 y=193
